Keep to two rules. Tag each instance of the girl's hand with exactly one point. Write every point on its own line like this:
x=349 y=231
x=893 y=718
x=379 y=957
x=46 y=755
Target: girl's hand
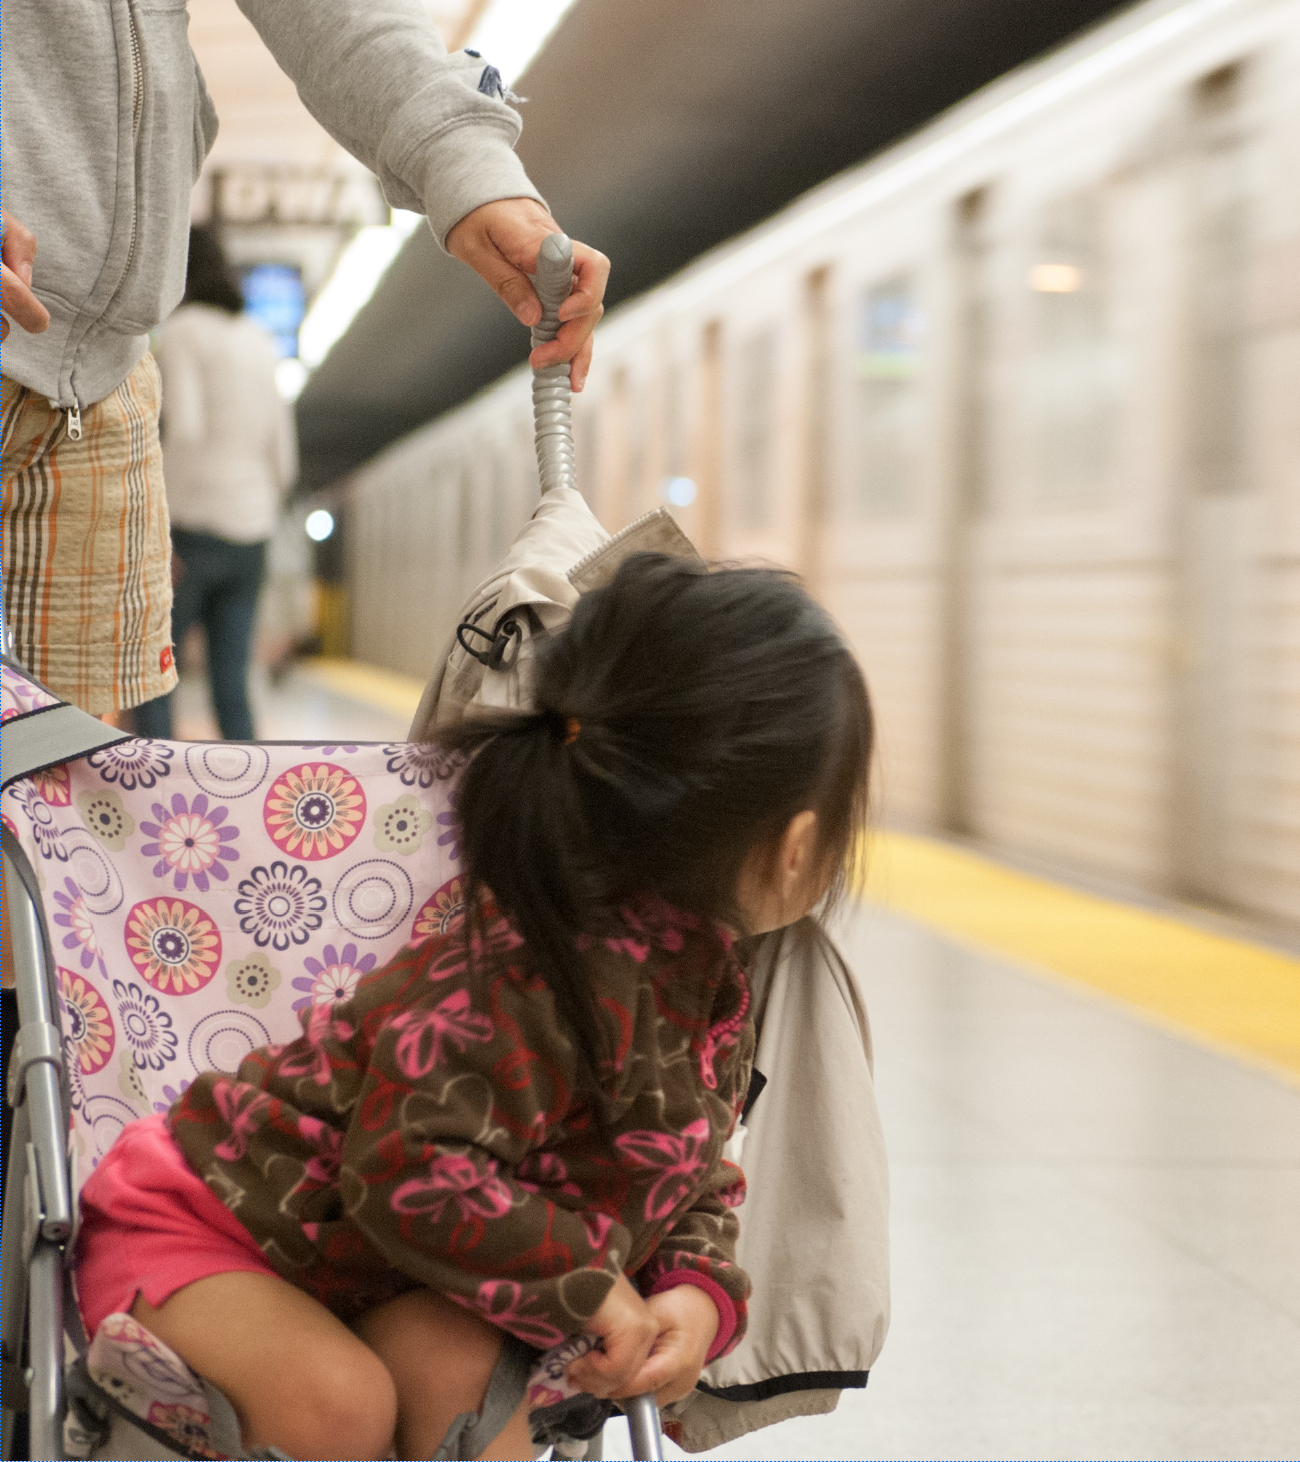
x=688 y=1321
x=628 y=1328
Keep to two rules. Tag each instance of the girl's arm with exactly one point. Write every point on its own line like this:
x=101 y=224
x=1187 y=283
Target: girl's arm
x=428 y=1173
x=701 y=1251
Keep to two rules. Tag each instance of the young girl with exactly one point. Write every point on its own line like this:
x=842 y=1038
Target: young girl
x=516 y=1128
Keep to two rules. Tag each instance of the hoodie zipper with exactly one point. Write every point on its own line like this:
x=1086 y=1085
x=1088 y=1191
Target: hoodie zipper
x=137 y=108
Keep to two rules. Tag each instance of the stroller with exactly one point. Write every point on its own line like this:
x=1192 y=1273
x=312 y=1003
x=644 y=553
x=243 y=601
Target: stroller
x=274 y=876
x=259 y=879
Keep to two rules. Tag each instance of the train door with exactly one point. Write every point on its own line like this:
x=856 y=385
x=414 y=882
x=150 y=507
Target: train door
x=1214 y=501
x=959 y=673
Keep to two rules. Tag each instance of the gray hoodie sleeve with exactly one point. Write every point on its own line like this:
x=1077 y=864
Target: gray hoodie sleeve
x=377 y=77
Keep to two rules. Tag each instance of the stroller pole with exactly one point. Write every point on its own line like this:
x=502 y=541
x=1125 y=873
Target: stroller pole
x=552 y=418
x=643 y=1424
x=553 y=427
x=39 y=1192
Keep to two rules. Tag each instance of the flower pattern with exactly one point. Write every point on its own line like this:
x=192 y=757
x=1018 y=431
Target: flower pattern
x=75 y=918
x=252 y=981
x=420 y=763
x=173 y=944
x=40 y=819
x=19 y=696
x=190 y=841
x=171 y=1095
x=449 y=837
x=87 y=1025
x=400 y=826
x=55 y=785
x=133 y=764
x=131 y=831
x=315 y=811
x=280 y=905
x=441 y=912
x=106 y=818
x=146 y=1027
x=335 y=978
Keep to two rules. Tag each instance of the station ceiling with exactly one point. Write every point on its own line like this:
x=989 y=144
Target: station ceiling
x=656 y=129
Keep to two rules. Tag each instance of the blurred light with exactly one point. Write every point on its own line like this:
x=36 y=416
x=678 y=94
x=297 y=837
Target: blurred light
x=290 y=377
x=511 y=32
x=360 y=268
x=680 y=491
x=319 y=525
x=273 y=296
x=1055 y=278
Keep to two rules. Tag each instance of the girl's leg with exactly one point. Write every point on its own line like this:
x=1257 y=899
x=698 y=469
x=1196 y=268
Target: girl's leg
x=440 y=1358
x=297 y=1377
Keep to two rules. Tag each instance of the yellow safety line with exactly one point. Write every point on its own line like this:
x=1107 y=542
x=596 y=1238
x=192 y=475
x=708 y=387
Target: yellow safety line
x=368 y=684
x=1239 y=997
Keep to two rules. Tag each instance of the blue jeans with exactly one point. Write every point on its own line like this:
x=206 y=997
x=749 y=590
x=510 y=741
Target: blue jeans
x=219 y=587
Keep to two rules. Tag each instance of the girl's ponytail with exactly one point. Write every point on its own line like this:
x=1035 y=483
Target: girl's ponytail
x=685 y=716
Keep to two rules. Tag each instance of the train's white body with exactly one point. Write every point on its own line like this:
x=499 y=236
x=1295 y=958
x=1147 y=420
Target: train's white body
x=1021 y=398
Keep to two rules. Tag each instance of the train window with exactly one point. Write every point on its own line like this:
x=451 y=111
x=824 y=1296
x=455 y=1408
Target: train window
x=1073 y=383
x=888 y=357
x=756 y=385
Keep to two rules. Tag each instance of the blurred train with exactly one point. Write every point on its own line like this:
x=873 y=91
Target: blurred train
x=1021 y=400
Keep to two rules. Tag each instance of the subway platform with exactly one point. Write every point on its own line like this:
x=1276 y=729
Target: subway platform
x=1093 y=1117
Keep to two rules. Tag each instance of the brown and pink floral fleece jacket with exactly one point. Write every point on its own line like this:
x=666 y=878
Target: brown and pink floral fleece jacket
x=429 y=1131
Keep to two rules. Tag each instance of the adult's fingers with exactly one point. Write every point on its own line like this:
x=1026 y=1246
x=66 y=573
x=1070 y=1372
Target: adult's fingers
x=572 y=343
x=19 y=303
x=512 y=284
x=590 y=276
x=19 y=250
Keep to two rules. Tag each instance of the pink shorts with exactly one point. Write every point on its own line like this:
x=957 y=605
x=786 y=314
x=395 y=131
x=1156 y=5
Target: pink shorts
x=150 y=1226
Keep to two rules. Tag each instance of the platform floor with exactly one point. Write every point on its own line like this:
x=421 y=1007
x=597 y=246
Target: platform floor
x=1096 y=1215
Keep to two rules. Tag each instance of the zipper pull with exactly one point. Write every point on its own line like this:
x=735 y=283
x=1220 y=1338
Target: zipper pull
x=74 y=423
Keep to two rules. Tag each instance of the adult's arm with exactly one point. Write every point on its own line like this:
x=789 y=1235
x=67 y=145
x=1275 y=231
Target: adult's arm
x=377 y=77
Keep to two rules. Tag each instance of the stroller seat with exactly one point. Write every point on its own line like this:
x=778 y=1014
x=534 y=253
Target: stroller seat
x=199 y=896
x=194 y=898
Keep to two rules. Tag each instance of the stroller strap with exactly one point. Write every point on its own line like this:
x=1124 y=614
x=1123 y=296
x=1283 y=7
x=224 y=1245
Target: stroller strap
x=50 y=735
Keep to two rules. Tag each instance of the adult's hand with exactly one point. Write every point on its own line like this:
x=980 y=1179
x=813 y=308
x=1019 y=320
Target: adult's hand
x=499 y=241
x=16 y=298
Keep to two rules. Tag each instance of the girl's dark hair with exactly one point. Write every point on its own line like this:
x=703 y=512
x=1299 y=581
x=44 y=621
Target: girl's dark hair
x=686 y=714
x=209 y=279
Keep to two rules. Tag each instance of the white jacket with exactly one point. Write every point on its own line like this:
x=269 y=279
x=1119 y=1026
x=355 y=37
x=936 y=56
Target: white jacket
x=229 y=452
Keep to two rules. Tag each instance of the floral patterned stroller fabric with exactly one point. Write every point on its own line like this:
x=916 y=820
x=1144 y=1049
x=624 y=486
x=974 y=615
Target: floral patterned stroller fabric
x=199 y=896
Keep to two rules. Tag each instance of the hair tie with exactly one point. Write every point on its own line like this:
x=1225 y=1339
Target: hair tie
x=572 y=727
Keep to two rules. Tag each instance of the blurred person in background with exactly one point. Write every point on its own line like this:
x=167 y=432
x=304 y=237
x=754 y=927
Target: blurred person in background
x=229 y=457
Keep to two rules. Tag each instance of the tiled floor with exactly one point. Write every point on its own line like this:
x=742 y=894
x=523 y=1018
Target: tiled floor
x=1096 y=1224
x=1096 y=1228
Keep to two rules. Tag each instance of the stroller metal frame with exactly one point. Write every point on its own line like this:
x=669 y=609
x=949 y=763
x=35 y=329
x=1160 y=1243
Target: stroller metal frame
x=37 y=1308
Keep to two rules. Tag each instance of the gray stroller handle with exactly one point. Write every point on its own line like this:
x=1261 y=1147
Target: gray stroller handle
x=552 y=415
x=553 y=428
x=642 y=1414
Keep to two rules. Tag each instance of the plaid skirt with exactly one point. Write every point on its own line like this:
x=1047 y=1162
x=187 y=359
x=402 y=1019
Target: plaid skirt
x=86 y=547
